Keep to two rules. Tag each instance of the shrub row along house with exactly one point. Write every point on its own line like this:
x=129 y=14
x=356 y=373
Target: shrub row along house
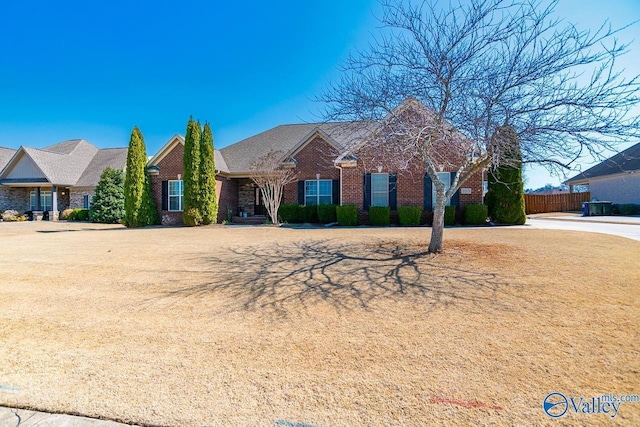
x=332 y=163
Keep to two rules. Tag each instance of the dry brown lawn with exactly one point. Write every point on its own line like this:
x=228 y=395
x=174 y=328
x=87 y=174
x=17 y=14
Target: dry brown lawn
x=324 y=327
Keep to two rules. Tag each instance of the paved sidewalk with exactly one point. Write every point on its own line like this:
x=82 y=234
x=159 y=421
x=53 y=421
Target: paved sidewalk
x=571 y=216
x=628 y=227
x=11 y=417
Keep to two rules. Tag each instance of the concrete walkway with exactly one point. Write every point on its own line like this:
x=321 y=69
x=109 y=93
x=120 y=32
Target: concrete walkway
x=623 y=226
x=10 y=417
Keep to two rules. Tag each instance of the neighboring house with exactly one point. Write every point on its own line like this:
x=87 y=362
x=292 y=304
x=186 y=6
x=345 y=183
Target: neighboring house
x=329 y=164
x=616 y=179
x=54 y=178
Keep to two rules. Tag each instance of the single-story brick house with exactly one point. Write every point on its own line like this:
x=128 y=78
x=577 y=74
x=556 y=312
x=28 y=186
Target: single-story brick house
x=332 y=163
x=54 y=178
x=616 y=179
x=328 y=161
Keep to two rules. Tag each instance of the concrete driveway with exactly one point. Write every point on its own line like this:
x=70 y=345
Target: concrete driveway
x=628 y=227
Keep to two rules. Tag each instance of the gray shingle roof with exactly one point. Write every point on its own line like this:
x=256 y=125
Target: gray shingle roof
x=63 y=163
x=115 y=158
x=5 y=155
x=625 y=161
x=241 y=155
x=72 y=163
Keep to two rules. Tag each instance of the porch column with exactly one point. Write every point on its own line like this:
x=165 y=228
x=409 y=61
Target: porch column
x=53 y=215
x=38 y=204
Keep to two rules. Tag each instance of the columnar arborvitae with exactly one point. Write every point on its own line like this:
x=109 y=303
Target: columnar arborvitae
x=209 y=203
x=192 y=214
x=505 y=198
x=107 y=205
x=140 y=209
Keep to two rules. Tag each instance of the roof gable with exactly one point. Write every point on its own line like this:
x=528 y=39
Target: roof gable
x=176 y=139
x=23 y=167
x=624 y=162
x=5 y=156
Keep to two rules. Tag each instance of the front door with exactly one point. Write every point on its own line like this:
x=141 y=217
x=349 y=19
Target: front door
x=258 y=208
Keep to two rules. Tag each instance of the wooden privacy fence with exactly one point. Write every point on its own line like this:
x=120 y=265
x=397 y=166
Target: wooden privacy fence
x=540 y=203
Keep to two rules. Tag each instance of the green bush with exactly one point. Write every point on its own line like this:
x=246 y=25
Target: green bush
x=347 y=215
x=475 y=214
x=449 y=215
x=409 y=215
x=290 y=214
x=79 y=214
x=107 y=206
x=327 y=214
x=626 y=209
x=309 y=214
x=380 y=215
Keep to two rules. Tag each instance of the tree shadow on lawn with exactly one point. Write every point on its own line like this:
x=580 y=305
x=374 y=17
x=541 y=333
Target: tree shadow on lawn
x=286 y=278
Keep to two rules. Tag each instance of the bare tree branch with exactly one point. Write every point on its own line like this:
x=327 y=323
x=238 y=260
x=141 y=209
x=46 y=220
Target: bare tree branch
x=271 y=176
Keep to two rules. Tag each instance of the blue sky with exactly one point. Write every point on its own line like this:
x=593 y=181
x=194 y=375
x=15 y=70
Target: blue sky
x=93 y=70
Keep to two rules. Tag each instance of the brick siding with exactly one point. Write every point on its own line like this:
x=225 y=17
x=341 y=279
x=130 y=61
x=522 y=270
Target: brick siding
x=316 y=157
x=171 y=168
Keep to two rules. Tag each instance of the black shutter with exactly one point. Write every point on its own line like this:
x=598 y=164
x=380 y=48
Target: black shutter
x=301 y=192
x=393 y=191
x=335 y=191
x=165 y=195
x=455 y=199
x=428 y=193
x=367 y=191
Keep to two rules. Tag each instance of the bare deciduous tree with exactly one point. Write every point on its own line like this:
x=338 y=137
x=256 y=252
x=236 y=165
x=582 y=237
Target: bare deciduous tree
x=463 y=71
x=271 y=177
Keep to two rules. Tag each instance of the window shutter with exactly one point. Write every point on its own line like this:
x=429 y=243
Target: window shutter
x=428 y=203
x=367 y=191
x=455 y=199
x=165 y=195
x=301 y=192
x=393 y=191
x=335 y=191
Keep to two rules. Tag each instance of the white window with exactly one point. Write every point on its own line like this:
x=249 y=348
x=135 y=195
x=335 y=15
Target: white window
x=446 y=178
x=46 y=202
x=87 y=201
x=318 y=192
x=176 y=190
x=379 y=189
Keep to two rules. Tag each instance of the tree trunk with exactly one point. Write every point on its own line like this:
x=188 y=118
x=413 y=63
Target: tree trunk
x=435 y=244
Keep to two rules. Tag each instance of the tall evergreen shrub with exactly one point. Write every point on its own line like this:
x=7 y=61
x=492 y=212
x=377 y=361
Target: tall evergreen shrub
x=207 y=184
x=140 y=209
x=192 y=214
x=505 y=198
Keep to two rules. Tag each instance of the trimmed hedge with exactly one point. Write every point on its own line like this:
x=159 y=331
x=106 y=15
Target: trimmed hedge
x=347 y=215
x=309 y=214
x=79 y=214
x=409 y=215
x=449 y=215
x=475 y=214
x=626 y=209
x=327 y=214
x=290 y=214
x=380 y=215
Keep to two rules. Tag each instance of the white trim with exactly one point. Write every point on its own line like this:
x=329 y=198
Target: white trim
x=307 y=139
x=318 y=195
x=166 y=149
x=179 y=196
x=380 y=192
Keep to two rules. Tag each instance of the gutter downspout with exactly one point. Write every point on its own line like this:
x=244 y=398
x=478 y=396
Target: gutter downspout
x=340 y=167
